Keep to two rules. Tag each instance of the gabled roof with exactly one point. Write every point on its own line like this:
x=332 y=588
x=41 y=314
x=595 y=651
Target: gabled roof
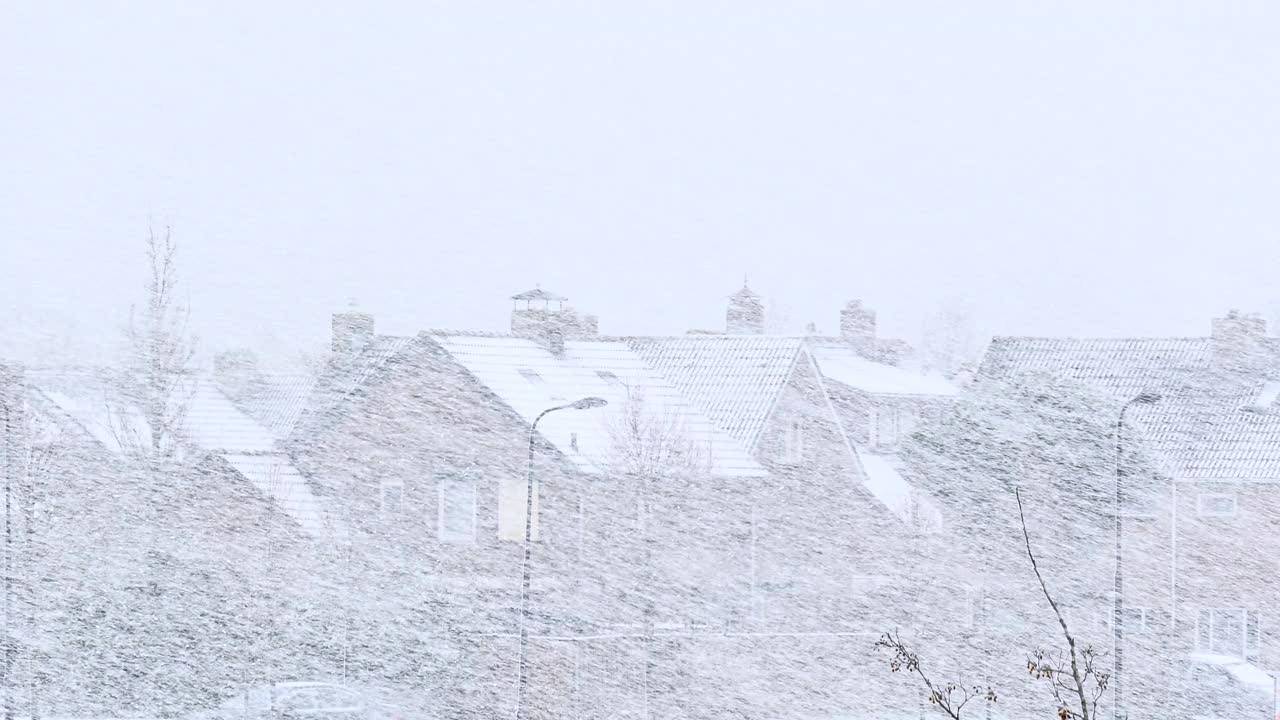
x=1210 y=424
x=539 y=294
x=529 y=379
x=345 y=377
x=1122 y=367
x=213 y=424
x=734 y=379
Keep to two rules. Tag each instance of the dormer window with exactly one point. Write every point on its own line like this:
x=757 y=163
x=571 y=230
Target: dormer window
x=531 y=376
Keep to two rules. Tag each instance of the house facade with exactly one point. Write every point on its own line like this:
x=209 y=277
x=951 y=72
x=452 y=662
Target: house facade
x=1197 y=545
x=718 y=506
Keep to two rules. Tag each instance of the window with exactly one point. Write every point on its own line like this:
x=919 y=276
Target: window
x=1138 y=620
x=1228 y=631
x=884 y=427
x=975 y=605
x=793 y=442
x=457 y=521
x=531 y=376
x=512 y=499
x=1216 y=504
x=392 y=497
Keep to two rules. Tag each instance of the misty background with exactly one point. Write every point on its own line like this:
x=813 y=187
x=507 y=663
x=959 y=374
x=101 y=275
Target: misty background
x=1092 y=169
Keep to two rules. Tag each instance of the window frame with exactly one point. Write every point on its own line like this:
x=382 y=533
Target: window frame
x=452 y=480
x=1250 y=630
x=1201 y=511
x=883 y=414
x=389 y=484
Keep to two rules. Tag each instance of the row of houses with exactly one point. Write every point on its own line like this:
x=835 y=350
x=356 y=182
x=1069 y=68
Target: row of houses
x=725 y=536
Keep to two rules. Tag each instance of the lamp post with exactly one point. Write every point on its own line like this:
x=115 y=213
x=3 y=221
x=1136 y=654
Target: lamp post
x=1117 y=620
x=522 y=680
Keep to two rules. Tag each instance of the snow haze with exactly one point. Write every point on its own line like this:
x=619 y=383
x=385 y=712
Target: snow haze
x=592 y=360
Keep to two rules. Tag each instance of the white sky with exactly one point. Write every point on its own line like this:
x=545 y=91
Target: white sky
x=1069 y=168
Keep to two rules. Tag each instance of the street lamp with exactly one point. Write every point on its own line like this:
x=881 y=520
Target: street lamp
x=522 y=680
x=1117 y=620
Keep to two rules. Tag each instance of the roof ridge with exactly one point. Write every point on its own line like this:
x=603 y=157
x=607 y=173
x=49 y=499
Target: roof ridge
x=1094 y=338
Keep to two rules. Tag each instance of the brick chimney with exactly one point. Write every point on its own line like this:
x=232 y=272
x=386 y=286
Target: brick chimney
x=745 y=315
x=858 y=327
x=1237 y=342
x=543 y=316
x=352 y=330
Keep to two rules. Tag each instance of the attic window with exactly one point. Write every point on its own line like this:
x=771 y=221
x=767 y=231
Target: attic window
x=531 y=376
x=609 y=377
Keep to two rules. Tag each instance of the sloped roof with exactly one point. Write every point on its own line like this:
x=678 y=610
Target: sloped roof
x=529 y=379
x=539 y=294
x=734 y=379
x=213 y=423
x=1210 y=423
x=1122 y=367
x=279 y=403
x=842 y=364
x=344 y=377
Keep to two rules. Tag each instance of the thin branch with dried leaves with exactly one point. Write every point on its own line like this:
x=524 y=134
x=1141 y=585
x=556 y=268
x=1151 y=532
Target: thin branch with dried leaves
x=949 y=697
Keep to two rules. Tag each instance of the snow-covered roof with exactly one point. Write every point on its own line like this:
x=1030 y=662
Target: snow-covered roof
x=276 y=478
x=734 y=379
x=1245 y=672
x=530 y=379
x=882 y=478
x=1210 y=423
x=844 y=365
x=212 y=423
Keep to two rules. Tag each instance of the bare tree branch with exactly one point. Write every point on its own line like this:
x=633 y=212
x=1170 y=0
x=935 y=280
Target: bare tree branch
x=1040 y=667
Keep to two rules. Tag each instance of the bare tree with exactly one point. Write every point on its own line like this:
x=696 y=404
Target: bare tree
x=649 y=441
x=651 y=445
x=156 y=385
x=1076 y=680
